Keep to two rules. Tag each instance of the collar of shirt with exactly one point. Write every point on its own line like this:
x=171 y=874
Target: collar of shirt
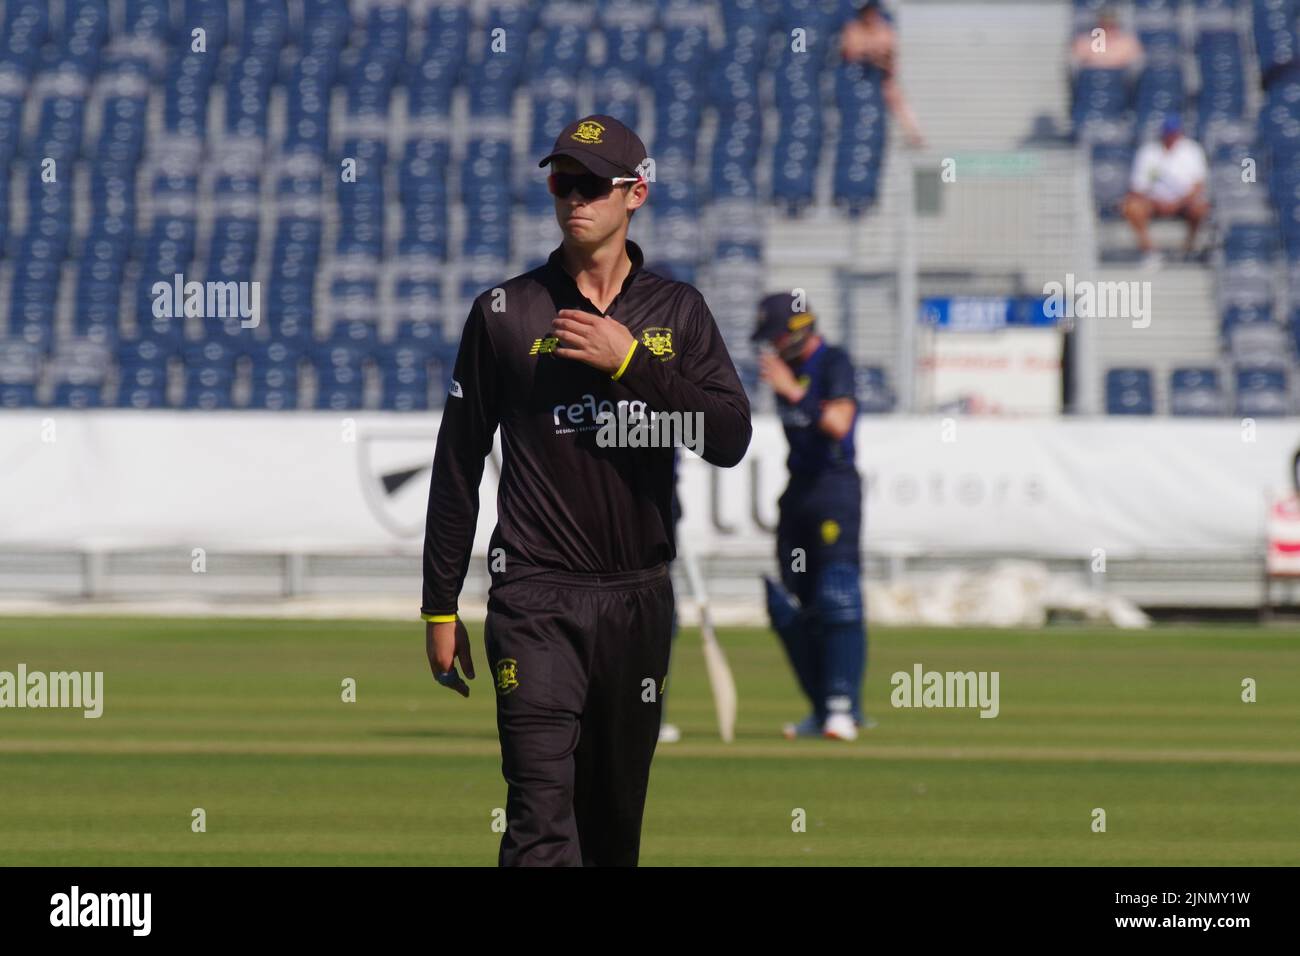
x=558 y=274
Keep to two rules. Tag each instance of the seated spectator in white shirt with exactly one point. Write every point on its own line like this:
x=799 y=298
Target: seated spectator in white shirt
x=1168 y=182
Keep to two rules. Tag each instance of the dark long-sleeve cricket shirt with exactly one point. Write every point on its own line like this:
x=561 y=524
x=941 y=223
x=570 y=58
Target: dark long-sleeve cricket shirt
x=564 y=502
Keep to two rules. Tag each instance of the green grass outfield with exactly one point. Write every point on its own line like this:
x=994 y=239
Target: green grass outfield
x=244 y=719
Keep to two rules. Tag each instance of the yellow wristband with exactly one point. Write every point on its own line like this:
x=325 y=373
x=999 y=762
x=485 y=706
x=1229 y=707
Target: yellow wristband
x=438 y=618
x=627 y=358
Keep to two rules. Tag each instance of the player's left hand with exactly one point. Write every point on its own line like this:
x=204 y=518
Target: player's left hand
x=445 y=644
x=597 y=340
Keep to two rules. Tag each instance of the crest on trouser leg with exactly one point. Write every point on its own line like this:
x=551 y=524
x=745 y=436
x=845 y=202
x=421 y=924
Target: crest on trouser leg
x=507 y=675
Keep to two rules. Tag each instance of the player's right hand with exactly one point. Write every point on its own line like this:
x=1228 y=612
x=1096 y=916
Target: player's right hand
x=773 y=370
x=447 y=644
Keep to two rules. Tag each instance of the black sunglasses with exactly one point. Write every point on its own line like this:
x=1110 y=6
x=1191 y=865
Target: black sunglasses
x=589 y=185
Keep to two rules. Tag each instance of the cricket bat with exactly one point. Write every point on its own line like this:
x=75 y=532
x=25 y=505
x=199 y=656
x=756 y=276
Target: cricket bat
x=715 y=662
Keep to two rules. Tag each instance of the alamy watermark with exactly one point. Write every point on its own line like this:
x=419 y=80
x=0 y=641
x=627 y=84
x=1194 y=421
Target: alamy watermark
x=922 y=688
x=208 y=300
x=78 y=690
x=1086 y=299
x=634 y=427
x=629 y=424
x=75 y=908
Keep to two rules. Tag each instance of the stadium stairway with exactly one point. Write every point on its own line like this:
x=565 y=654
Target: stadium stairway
x=975 y=84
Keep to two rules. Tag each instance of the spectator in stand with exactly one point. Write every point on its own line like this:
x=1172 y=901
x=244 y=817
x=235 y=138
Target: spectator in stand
x=1168 y=182
x=1108 y=46
x=870 y=38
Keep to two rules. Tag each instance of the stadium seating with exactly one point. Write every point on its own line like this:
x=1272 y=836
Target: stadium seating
x=1129 y=392
x=1111 y=166
x=1196 y=391
x=875 y=397
x=19 y=365
x=1262 y=393
x=360 y=162
x=1227 y=45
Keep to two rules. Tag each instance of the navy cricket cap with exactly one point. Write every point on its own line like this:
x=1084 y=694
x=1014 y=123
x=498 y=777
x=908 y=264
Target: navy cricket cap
x=777 y=315
x=602 y=144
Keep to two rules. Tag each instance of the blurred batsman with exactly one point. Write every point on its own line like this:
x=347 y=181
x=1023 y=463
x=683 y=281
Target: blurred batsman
x=817 y=608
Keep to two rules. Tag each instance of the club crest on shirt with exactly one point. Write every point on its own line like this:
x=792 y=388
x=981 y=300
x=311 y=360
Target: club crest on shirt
x=507 y=673
x=830 y=531
x=659 y=341
x=589 y=132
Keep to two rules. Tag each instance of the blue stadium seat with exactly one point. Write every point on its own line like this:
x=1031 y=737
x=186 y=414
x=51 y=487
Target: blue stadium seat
x=274 y=386
x=1161 y=46
x=1129 y=392
x=148 y=377
x=275 y=353
x=1258 y=345
x=1223 y=80
x=1111 y=168
x=405 y=388
x=618 y=94
x=146 y=350
x=68 y=395
x=1251 y=243
x=677 y=236
x=416 y=298
x=1262 y=393
x=274 y=376
x=420 y=334
x=874 y=395
x=1196 y=391
x=359 y=334
x=1276 y=42
x=307 y=121
x=19 y=371
x=17 y=396
x=1099 y=94
x=149 y=18
x=1155 y=15
x=433 y=76
x=492 y=72
x=339 y=387
x=1247 y=314
x=860 y=150
x=216 y=353
x=798 y=145
x=208 y=388
x=79 y=370
x=273 y=399
x=1160 y=94
x=141 y=398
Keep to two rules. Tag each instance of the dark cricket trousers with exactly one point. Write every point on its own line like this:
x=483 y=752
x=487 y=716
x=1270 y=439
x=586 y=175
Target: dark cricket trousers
x=579 y=664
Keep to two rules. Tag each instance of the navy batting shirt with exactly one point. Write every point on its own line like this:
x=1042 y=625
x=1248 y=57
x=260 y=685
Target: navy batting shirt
x=828 y=373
